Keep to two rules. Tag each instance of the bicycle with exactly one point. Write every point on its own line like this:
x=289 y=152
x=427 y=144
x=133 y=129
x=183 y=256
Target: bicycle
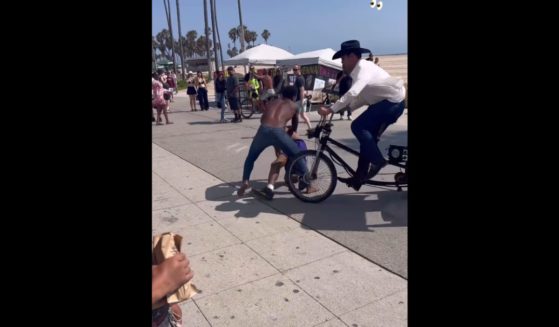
x=322 y=174
x=247 y=104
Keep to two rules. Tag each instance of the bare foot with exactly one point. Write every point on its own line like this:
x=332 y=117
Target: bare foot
x=159 y=123
x=311 y=189
x=242 y=190
x=169 y=122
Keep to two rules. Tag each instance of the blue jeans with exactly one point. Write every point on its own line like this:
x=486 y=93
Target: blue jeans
x=220 y=98
x=269 y=136
x=368 y=127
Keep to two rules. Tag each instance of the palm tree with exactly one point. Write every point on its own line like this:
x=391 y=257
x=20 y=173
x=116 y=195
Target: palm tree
x=233 y=35
x=162 y=41
x=241 y=34
x=218 y=40
x=212 y=15
x=250 y=36
x=182 y=43
x=167 y=5
x=232 y=52
x=181 y=48
x=202 y=44
x=265 y=35
x=210 y=71
x=191 y=43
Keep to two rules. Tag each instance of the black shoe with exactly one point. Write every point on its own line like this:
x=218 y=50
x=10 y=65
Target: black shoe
x=351 y=182
x=375 y=169
x=302 y=185
x=266 y=193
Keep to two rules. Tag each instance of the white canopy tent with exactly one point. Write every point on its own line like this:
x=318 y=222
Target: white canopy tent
x=260 y=55
x=321 y=57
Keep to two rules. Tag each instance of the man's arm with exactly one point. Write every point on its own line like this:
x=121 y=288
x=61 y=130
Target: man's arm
x=302 y=93
x=236 y=88
x=295 y=118
x=301 y=88
x=359 y=83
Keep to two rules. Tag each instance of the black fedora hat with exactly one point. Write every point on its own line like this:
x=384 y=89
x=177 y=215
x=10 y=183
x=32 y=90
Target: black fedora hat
x=347 y=46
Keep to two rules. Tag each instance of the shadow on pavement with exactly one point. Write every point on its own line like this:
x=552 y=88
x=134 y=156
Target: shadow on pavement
x=363 y=211
x=205 y=123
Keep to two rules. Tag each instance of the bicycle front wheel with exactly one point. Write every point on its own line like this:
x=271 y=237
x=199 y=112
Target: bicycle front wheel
x=247 y=109
x=319 y=181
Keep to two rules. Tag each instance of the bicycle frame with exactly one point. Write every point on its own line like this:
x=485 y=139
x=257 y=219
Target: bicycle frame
x=325 y=139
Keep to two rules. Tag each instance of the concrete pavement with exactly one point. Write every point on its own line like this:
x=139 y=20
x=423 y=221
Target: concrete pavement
x=255 y=265
x=371 y=222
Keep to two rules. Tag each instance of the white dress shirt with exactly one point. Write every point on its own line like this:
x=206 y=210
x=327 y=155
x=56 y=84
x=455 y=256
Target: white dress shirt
x=371 y=84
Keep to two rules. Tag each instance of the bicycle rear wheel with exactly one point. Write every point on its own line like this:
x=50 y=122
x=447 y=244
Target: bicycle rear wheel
x=247 y=109
x=322 y=179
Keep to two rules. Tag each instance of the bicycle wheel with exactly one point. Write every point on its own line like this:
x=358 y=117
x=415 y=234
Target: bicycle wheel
x=247 y=109
x=323 y=179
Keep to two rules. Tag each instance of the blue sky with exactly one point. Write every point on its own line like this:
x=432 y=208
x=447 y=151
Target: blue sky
x=299 y=25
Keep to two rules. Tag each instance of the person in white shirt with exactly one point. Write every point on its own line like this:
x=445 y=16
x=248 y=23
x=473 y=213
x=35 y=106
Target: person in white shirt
x=372 y=86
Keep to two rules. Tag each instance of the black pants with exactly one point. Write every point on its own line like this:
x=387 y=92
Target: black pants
x=203 y=98
x=341 y=112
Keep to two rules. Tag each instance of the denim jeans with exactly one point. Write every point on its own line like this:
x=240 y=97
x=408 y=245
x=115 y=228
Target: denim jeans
x=203 y=98
x=367 y=129
x=268 y=136
x=220 y=98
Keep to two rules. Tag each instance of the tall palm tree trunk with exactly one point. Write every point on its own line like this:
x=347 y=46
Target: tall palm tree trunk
x=242 y=36
x=218 y=37
x=180 y=41
x=167 y=5
x=208 y=53
x=212 y=13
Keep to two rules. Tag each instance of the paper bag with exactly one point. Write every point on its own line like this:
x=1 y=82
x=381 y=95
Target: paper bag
x=165 y=246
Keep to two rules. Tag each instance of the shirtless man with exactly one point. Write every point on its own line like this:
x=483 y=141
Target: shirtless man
x=268 y=191
x=272 y=133
x=267 y=86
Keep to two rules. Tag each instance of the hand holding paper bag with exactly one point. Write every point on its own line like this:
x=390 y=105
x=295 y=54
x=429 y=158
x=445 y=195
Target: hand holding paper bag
x=172 y=272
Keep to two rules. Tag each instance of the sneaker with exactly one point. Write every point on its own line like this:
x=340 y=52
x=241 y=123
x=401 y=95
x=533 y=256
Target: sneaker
x=349 y=118
x=223 y=121
x=242 y=189
x=265 y=192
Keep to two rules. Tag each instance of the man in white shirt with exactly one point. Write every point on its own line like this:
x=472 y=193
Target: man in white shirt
x=384 y=95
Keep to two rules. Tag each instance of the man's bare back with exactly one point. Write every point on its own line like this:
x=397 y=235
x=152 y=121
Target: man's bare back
x=278 y=112
x=267 y=82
